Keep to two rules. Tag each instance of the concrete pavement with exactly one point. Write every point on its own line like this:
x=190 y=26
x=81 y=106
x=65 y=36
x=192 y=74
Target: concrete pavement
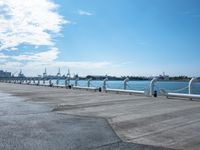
x=28 y=126
x=51 y=118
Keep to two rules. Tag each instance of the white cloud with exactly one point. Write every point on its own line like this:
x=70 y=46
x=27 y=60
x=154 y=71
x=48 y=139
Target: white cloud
x=45 y=56
x=83 y=67
x=14 y=49
x=84 y=13
x=34 y=63
x=83 y=64
x=3 y=56
x=12 y=65
x=31 y=22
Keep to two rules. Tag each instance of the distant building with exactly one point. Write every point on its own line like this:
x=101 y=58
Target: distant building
x=5 y=74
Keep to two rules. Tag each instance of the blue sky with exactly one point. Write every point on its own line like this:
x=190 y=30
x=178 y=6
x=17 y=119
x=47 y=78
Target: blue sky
x=115 y=37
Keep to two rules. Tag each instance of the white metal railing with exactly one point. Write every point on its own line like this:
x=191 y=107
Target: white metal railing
x=88 y=82
x=38 y=82
x=76 y=81
x=104 y=83
x=190 y=85
x=189 y=95
x=125 y=83
x=105 y=86
x=152 y=86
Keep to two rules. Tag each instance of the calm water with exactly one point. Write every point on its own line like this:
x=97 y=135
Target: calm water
x=168 y=86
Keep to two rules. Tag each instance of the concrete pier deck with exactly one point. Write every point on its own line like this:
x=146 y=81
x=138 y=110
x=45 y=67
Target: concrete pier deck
x=79 y=119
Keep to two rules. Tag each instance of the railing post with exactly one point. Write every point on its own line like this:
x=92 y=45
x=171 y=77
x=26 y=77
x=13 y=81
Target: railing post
x=76 y=81
x=38 y=81
x=125 y=83
x=57 y=81
x=104 y=83
x=190 y=85
x=50 y=82
x=69 y=80
x=43 y=81
x=152 y=85
x=66 y=82
x=88 y=83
